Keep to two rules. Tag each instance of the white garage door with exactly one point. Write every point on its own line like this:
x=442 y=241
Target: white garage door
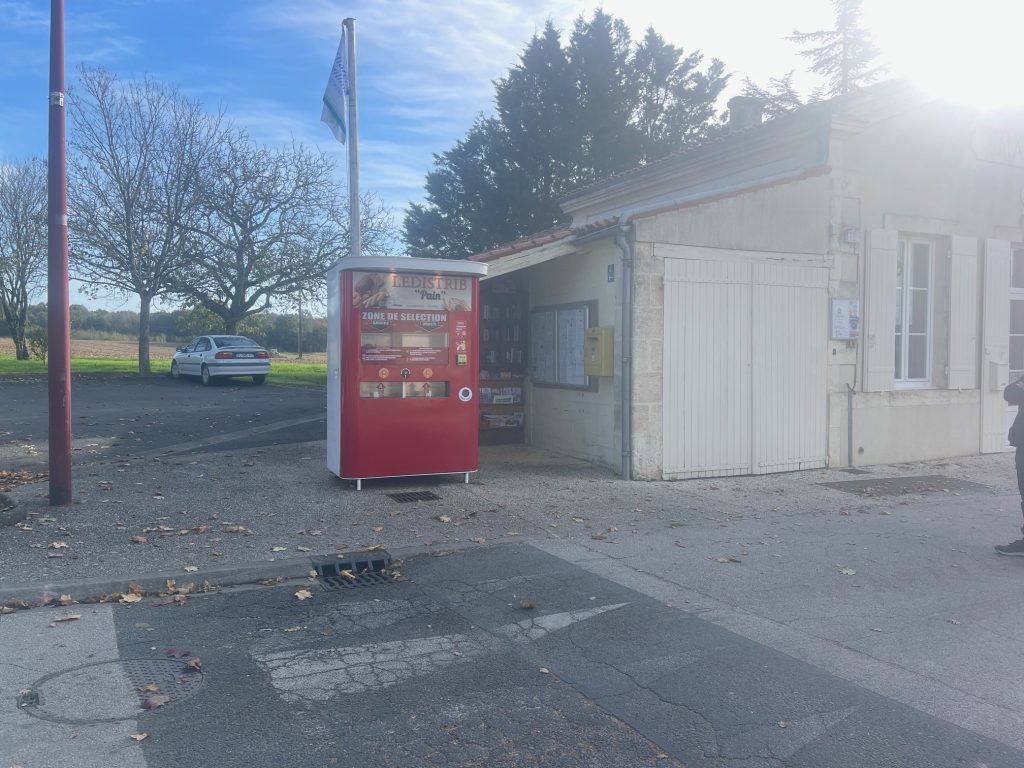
x=745 y=368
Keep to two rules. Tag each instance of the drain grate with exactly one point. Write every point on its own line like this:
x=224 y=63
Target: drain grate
x=409 y=496
x=358 y=569
x=368 y=579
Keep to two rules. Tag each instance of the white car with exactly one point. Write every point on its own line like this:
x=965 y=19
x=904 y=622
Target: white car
x=216 y=357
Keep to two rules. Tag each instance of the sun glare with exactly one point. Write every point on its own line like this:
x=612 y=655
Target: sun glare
x=964 y=51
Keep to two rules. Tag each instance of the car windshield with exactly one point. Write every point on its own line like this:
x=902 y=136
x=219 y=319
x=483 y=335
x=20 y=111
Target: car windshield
x=234 y=341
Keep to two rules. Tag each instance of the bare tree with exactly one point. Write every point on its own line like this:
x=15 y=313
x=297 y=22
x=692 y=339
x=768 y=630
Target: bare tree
x=139 y=150
x=272 y=222
x=22 y=244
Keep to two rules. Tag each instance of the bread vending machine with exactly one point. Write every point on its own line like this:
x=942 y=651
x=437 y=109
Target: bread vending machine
x=402 y=367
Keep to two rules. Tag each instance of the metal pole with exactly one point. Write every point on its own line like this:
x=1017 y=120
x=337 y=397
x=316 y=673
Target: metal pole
x=355 y=244
x=58 y=320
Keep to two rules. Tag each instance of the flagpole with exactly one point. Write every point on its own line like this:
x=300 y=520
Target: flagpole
x=355 y=243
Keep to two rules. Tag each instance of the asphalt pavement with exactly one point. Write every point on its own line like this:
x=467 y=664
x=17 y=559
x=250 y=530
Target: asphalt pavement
x=818 y=618
x=504 y=656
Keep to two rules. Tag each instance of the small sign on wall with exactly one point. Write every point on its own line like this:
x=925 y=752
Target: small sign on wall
x=846 y=319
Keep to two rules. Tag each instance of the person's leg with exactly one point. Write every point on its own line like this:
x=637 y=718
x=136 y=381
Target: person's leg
x=1016 y=548
x=1019 y=461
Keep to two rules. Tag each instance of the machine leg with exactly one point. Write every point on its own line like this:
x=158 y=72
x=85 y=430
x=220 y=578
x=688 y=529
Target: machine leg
x=467 y=478
x=359 y=484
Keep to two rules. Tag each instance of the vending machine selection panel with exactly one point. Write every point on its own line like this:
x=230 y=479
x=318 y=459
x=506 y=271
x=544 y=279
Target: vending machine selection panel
x=402 y=367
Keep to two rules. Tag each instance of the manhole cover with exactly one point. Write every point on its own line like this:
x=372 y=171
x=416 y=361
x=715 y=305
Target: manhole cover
x=900 y=486
x=108 y=691
x=410 y=496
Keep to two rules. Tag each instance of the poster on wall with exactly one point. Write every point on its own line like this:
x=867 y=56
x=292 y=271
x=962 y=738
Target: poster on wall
x=542 y=346
x=572 y=325
x=403 y=290
x=845 y=319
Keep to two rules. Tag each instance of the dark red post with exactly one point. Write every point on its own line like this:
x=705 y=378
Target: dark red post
x=58 y=319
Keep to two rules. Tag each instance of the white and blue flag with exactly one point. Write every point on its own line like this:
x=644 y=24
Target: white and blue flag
x=336 y=94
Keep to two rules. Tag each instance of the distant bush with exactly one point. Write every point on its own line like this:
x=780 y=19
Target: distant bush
x=37 y=343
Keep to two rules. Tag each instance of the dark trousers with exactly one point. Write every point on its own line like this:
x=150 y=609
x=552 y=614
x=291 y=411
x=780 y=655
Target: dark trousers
x=1019 y=461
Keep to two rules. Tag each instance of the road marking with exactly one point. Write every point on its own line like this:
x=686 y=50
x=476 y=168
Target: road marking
x=31 y=649
x=318 y=674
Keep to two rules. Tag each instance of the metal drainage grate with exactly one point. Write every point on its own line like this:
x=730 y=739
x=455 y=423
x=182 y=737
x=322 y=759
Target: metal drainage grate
x=172 y=677
x=410 y=496
x=357 y=569
x=368 y=579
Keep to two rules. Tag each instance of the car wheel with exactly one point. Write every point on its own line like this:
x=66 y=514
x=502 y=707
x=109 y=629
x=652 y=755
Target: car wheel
x=260 y=378
x=175 y=373
x=205 y=374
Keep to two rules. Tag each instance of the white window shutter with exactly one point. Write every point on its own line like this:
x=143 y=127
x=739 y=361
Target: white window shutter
x=879 y=316
x=963 y=313
x=995 y=345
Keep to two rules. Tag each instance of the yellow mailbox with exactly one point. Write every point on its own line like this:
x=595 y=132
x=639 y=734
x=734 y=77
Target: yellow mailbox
x=599 y=346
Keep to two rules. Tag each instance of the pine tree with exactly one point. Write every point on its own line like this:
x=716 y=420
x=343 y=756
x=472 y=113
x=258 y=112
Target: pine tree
x=566 y=115
x=845 y=56
x=777 y=98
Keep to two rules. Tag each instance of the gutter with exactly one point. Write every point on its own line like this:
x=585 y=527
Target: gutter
x=626 y=362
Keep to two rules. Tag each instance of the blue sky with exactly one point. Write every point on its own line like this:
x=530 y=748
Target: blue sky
x=426 y=67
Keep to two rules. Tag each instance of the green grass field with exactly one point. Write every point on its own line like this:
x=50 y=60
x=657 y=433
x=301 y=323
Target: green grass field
x=291 y=374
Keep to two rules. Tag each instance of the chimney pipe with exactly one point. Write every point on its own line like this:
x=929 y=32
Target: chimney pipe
x=744 y=112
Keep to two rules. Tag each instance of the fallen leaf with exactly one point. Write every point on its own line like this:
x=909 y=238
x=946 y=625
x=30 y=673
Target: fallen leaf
x=130 y=598
x=194 y=664
x=953 y=621
x=478 y=540
x=149 y=688
x=232 y=528
x=577 y=519
x=376 y=548
x=138 y=736
x=59 y=545
x=544 y=671
x=201 y=529
x=847 y=571
x=67 y=617
x=729 y=559
x=191 y=568
x=444 y=518
x=377 y=528
x=294 y=629
x=136 y=589
x=139 y=539
x=527 y=605
x=178 y=653
x=302 y=549
x=312 y=574
x=783 y=723
x=303 y=594
x=598 y=537
x=278 y=549
x=155 y=701
x=54 y=555
x=346 y=574
x=876 y=629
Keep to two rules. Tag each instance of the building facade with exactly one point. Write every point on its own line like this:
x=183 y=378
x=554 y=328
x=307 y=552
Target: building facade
x=843 y=285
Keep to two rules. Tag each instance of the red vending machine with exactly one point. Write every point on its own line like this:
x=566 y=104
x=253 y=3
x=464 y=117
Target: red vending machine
x=402 y=367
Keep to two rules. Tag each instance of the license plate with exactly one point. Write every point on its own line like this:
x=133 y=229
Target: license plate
x=244 y=354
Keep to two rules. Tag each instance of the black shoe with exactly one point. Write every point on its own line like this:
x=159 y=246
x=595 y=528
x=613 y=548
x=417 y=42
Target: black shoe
x=1015 y=549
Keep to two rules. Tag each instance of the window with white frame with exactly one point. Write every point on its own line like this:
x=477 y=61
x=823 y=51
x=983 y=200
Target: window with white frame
x=1017 y=313
x=914 y=294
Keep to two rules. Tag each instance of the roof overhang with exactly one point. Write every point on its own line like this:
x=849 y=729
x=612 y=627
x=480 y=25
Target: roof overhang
x=517 y=260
